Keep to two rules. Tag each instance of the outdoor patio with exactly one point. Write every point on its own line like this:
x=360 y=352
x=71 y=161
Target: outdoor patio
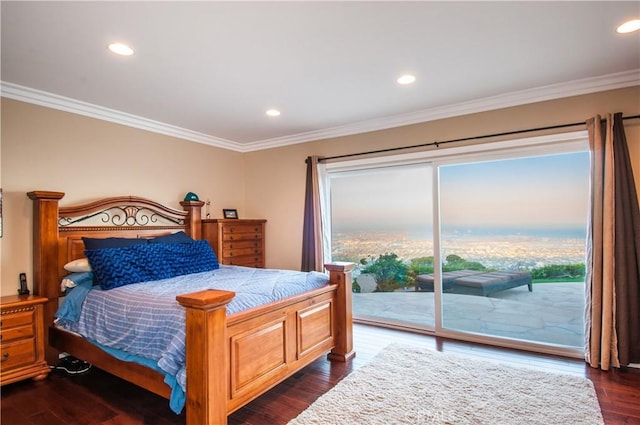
x=553 y=313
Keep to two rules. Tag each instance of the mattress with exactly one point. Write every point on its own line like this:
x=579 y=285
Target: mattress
x=143 y=322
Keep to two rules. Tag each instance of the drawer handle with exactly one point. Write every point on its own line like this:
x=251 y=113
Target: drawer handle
x=231 y=246
x=5 y=357
x=255 y=251
x=231 y=238
x=231 y=229
x=231 y=254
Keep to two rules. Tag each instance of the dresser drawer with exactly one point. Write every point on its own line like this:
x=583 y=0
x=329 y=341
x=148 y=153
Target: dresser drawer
x=241 y=228
x=18 y=332
x=239 y=252
x=17 y=353
x=228 y=237
x=247 y=261
x=16 y=318
x=237 y=242
x=241 y=244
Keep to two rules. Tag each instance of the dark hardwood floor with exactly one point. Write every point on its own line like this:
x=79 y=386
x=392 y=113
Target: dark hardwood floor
x=99 y=398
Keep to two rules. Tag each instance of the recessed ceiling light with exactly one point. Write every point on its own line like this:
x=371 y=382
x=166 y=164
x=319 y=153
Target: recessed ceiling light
x=406 y=79
x=121 y=49
x=629 y=26
x=273 y=112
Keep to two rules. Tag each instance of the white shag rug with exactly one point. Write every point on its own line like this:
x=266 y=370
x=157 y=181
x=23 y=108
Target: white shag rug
x=406 y=385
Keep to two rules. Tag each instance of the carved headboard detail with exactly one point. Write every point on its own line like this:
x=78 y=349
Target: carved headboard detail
x=58 y=231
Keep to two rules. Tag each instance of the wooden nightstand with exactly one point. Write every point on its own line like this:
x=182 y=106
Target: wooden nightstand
x=236 y=242
x=22 y=338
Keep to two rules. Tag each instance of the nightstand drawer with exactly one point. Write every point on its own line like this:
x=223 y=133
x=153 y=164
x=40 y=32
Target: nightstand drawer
x=17 y=353
x=17 y=318
x=22 y=338
x=18 y=332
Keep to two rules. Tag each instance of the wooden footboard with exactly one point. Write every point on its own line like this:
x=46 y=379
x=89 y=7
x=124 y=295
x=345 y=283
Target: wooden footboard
x=230 y=359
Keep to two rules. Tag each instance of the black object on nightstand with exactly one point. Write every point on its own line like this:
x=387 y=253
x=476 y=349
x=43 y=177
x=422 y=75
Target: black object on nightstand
x=23 y=289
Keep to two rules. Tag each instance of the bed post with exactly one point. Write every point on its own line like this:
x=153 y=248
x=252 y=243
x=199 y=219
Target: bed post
x=194 y=222
x=340 y=274
x=45 y=257
x=207 y=365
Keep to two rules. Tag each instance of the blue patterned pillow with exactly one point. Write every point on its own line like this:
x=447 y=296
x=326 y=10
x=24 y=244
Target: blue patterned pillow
x=100 y=243
x=178 y=237
x=114 y=267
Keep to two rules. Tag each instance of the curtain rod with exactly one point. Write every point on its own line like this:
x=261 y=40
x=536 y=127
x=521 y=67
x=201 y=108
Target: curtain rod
x=464 y=139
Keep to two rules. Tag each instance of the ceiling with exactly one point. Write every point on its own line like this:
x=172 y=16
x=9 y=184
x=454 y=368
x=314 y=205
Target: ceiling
x=208 y=71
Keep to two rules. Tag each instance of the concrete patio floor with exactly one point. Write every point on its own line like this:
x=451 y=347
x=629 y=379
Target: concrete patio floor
x=553 y=313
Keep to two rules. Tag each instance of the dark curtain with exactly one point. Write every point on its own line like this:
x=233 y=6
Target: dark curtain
x=627 y=252
x=613 y=273
x=311 y=231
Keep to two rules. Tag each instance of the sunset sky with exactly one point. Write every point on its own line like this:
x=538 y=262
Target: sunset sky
x=535 y=192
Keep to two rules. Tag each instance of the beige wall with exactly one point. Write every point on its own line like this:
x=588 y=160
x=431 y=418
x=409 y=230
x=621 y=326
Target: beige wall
x=275 y=177
x=1 y=267
x=46 y=149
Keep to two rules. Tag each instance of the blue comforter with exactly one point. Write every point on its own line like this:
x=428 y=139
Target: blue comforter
x=143 y=322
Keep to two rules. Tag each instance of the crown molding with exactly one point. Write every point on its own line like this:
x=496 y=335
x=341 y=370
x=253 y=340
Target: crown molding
x=54 y=101
x=539 y=94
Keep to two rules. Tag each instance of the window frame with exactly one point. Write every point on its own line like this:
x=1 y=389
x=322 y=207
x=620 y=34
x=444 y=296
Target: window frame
x=550 y=144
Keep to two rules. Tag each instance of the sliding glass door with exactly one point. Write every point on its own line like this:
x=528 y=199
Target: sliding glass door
x=381 y=219
x=512 y=246
x=483 y=243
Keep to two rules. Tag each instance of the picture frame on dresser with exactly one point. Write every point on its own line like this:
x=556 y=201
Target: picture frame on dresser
x=230 y=213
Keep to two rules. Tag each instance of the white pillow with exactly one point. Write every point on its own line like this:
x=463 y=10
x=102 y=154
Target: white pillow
x=81 y=265
x=66 y=284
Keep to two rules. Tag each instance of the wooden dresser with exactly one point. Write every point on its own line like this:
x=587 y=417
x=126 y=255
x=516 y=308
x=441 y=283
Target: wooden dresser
x=236 y=242
x=22 y=338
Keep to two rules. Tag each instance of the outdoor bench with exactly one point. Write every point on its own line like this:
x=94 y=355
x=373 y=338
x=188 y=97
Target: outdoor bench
x=472 y=282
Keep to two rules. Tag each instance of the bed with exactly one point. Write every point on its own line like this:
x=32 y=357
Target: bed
x=230 y=358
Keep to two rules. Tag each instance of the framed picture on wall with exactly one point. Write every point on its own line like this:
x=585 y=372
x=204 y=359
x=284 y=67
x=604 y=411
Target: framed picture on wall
x=229 y=213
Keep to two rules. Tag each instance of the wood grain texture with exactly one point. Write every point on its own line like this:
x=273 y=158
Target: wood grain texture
x=108 y=400
x=239 y=242
x=22 y=353
x=230 y=360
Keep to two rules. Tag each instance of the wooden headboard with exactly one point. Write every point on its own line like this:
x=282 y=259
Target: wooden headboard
x=58 y=232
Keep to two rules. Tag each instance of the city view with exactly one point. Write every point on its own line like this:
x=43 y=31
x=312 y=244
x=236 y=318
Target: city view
x=513 y=214
x=553 y=313
x=502 y=222
x=504 y=252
